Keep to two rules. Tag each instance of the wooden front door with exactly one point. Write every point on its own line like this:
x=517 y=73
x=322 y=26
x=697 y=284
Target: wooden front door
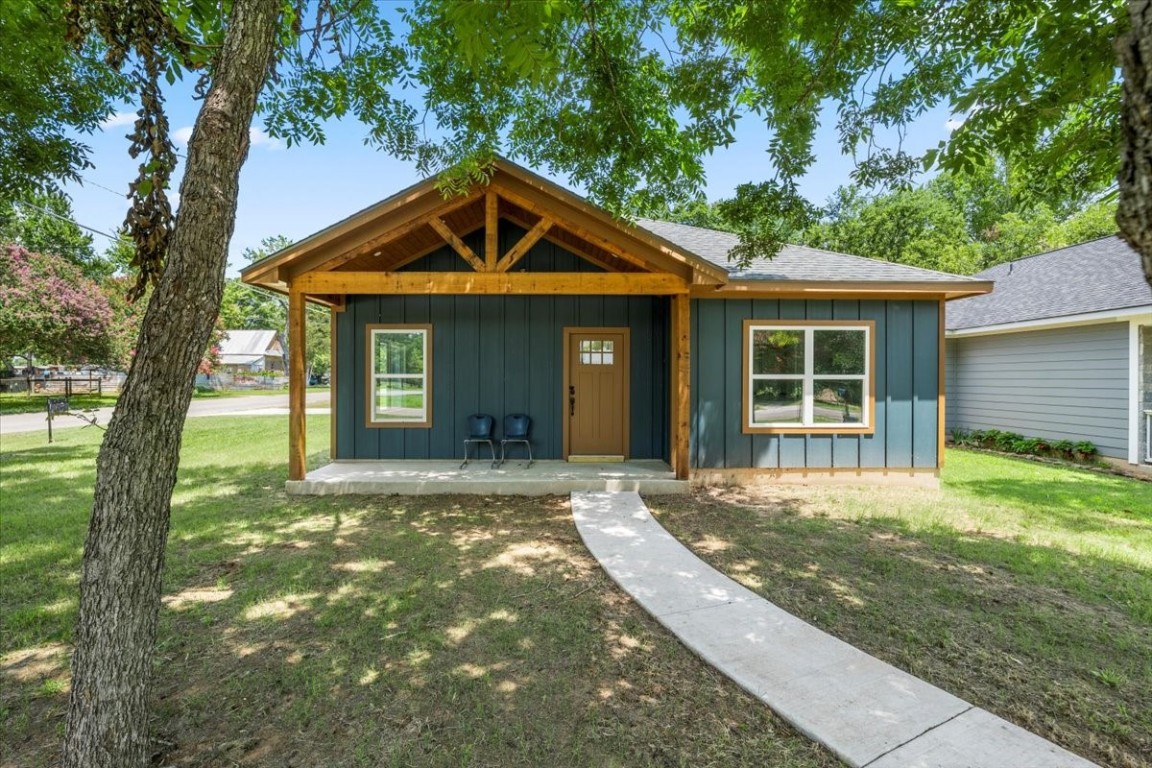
x=596 y=392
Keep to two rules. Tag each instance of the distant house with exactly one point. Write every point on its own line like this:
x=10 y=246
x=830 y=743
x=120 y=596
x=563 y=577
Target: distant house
x=247 y=352
x=1062 y=349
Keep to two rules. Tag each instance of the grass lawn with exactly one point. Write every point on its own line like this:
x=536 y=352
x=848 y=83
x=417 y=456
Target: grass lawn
x=21 y=402
x=1021 y=587
x=428 y=631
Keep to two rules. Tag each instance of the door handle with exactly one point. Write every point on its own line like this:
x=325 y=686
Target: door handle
x=571 y=401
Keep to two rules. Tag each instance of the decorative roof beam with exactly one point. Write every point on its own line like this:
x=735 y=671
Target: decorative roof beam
x=457 y=244
x=521 y=248
x=519 y=283
x=491 y=229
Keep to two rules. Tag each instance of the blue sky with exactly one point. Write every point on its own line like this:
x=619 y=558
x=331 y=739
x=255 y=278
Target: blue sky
x=299 y=190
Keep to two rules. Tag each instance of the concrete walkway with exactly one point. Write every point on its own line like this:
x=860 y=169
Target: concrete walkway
x=867 y=712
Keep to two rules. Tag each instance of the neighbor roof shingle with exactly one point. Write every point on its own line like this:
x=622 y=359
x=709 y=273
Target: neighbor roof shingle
x=1096 y=276
x=793 y=262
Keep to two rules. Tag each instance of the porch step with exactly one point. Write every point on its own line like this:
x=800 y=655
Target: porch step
x=543 y=478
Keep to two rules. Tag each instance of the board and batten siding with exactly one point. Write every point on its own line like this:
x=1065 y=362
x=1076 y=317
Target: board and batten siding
x=500 y=355
x=1060 y=384
x=906 y=386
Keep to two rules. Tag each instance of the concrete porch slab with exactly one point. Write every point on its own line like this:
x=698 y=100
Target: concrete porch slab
x=543 y=478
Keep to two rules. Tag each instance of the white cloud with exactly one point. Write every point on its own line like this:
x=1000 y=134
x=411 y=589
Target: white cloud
x=261 y=139
x=181 y=135
x=953 y=124
x=117 y=119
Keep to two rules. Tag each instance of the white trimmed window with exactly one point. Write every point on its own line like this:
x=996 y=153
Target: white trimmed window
x=808 y=376
x=399 y=375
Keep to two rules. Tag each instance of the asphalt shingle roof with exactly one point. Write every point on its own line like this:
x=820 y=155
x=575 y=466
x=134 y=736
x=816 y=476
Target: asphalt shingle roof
x=1096 y=276
x=793 y=262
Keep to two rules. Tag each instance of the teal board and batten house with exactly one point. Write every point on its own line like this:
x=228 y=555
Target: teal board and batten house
x=621 y=341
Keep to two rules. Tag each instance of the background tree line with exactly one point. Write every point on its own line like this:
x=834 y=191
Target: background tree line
x=64 y=301
x=954 y=223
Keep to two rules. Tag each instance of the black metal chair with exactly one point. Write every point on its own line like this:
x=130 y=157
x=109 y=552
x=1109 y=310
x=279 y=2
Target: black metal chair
x=516 y=429
x=480 y=428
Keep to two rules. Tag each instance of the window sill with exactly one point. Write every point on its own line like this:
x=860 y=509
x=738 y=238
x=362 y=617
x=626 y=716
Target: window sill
x=830 y=430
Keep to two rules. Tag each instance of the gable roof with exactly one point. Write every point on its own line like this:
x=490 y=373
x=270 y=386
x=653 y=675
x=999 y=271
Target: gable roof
x=1098 y=276
x=793 y=262
x=529 y=195
x=391 y=233
x=248 y=343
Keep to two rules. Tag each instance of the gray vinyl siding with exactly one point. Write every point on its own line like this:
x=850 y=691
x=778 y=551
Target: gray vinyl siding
x=1145 y=389
x=1061 y=384
x=906 y=387
x=500 y=355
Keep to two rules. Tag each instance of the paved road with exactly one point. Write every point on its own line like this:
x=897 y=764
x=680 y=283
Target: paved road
x=248 y=405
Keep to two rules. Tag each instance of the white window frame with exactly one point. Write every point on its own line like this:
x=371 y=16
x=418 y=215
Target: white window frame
x=372 y=379
x=808 y=424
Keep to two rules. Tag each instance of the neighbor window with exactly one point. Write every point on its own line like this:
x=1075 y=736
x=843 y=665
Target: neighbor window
x=807 y=376
x=399 y=376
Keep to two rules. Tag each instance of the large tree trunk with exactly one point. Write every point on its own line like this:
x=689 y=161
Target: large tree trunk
x=136 y=470
x=1135 y=210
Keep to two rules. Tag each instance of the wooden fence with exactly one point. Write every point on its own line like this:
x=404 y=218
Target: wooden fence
x=66 y=387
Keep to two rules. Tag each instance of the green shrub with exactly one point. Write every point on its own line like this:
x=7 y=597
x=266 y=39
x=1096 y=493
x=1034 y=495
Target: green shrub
x=1010 y=442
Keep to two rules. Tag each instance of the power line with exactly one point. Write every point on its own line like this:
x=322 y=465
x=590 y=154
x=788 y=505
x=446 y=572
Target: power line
x=85 y=180
x=53 y=214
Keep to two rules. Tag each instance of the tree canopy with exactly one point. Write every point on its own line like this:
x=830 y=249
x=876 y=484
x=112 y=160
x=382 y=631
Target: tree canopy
x=50 y=310
x=49 y=91
x=42 y=222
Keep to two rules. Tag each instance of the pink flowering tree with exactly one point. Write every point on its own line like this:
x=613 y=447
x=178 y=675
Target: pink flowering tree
x=50 y=310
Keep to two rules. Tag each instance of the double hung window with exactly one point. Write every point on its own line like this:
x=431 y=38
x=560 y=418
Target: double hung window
x=399 y=375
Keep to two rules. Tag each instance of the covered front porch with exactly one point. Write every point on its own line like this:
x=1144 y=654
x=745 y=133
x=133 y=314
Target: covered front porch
x=514 y=478
x=514 y=298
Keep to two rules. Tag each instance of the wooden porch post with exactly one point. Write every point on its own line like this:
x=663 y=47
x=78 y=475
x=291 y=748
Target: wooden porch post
x=297 y=465
x=681 y=382
x=332 y=383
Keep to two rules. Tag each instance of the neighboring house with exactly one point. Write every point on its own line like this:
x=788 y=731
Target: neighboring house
x=246 y=352
x=620 y=341
x=1062 y=350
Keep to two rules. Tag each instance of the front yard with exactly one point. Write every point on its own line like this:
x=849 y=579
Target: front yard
x=438 y=631
x=430 y=631
x=1023 y=588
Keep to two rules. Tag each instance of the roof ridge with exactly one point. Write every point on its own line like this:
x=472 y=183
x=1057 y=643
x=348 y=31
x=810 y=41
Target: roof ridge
x=857 y=257
x=1053 y=251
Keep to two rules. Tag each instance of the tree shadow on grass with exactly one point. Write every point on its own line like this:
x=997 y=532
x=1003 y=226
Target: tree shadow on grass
x=1057 y=642
x=428 y=631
